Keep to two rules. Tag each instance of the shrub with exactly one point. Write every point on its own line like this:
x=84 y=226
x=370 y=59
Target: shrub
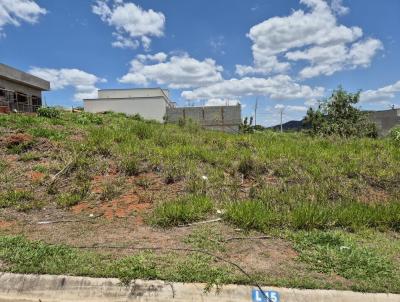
x=338 y=116
x=182 y=211
x=395 y=136
x=49 y=112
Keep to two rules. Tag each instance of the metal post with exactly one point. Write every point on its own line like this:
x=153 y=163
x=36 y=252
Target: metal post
x=281 y=111
x=255 y=112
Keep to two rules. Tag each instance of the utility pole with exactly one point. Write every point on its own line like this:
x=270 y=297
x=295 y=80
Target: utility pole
x=255 y=112
x=281 y=111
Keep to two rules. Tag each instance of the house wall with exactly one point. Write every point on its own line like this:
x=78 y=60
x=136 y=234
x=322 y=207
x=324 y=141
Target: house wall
x=15 y=75
x=223 y=118
x=149 y=108
x=385 y=120
x=9 y=85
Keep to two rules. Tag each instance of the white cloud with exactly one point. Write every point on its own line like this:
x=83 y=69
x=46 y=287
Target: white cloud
x=291 y=108
x=381 y=95
x=133 y=24
x=158 y=57
x=278 y=87
x=338 y=7
x=222 y=102
x=280 y=38
x=176 y=72
x=84 y=83
x=13 y=12
x=326 y=60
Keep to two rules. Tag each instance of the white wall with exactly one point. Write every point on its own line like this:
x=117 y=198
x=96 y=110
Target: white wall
x=131 y=93
x=148 y=108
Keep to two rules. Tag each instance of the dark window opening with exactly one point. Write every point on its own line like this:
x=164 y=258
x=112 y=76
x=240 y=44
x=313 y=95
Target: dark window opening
x=36 y=103
x=22 y=98
x=2 y=92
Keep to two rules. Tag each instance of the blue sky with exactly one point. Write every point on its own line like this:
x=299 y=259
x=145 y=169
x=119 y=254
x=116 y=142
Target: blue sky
x=286 y=53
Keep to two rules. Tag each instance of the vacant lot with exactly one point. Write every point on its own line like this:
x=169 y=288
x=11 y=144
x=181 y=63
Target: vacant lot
x=108 y=195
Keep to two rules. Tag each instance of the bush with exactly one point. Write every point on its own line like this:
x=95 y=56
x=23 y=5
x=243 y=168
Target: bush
x=395 y=135
x=49 y=112
x=338 y=116
x=182 y=211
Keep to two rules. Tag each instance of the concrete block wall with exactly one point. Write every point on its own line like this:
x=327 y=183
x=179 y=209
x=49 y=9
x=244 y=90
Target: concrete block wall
x=222 y=118
x=385 y=120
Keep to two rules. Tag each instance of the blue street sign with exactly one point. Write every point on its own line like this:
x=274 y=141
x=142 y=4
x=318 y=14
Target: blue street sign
x=273 y=296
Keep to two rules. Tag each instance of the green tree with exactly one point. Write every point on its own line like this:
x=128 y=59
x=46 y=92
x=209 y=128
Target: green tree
x=338 y=115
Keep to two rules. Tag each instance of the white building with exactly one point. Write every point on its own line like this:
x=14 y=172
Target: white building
x=150 y=103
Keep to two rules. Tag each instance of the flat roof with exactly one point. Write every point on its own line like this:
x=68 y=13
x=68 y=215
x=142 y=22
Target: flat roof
x=128 y=89
x=15 y=75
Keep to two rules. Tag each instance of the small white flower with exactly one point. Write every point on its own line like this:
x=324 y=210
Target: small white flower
x=204 y=177
x=91 y=215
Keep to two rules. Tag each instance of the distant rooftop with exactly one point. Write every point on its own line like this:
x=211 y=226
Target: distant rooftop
x=15 y=75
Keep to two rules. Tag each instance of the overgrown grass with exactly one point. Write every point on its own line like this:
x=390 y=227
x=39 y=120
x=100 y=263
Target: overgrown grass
x=334 y=252
x=19 y=255
x=265 y=215
x=21 y=200
x=184 y=210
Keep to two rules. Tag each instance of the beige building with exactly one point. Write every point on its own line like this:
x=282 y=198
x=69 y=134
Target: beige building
x=20 y=91
x=150 y=103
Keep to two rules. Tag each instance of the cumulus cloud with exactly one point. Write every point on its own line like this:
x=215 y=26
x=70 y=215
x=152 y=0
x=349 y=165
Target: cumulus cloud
x=133 y=24
x=14 y=12
x=176 y=72
x=381 y=95
x=84 y=83
x=326 y=60
x=338 y=7
x=280 y=38
x=278 y=87
x=222 y=102
x=291 y=108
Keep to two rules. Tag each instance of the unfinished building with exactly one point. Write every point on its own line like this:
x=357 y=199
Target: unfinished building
x=221 y=118
x=20 y=91
x=385 y=120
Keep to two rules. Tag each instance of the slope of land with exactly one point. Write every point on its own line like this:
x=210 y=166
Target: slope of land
x=110 y=195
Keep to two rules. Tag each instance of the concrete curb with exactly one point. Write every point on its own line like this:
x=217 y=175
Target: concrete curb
x=46 y=288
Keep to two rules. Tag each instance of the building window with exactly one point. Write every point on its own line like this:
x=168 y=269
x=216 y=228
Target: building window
x=36 y=103
x=2 y=92
x=22 y=97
